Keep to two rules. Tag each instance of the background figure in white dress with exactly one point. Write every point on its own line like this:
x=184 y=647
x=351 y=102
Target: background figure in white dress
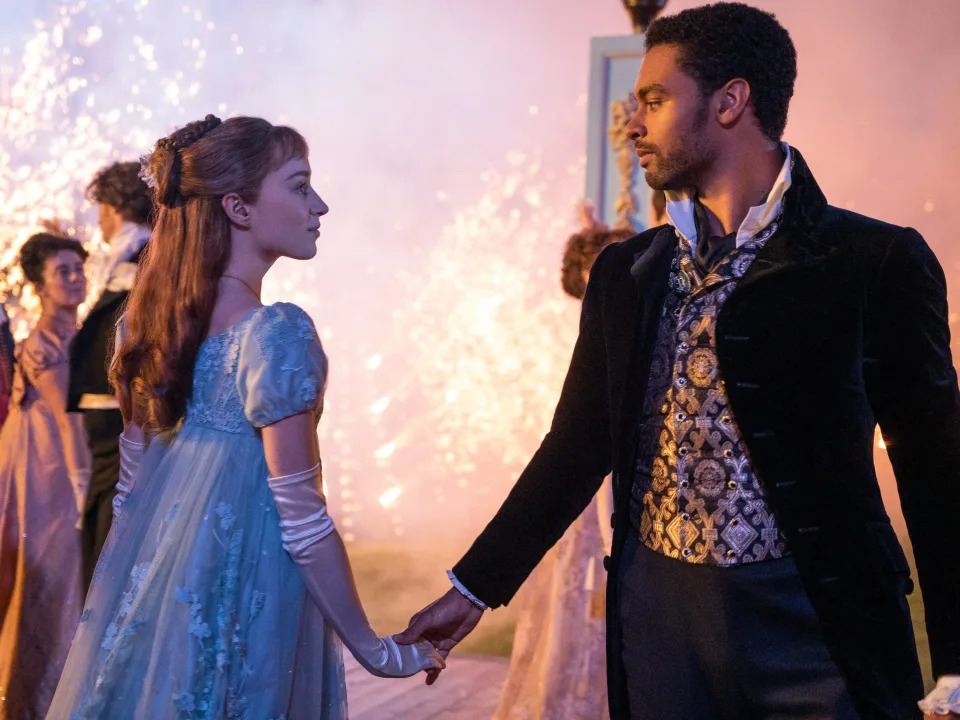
x=558 y=665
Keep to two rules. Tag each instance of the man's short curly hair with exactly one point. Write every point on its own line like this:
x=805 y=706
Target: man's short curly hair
x=581 y=252
x=119 y=185
x=38 y=248
x=723 y=41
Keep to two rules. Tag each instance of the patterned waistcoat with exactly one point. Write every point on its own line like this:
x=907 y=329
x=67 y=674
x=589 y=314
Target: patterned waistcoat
x=695 y=496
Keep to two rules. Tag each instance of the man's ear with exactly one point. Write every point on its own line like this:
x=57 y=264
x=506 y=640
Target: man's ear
x=734 y=99
x=237 y=210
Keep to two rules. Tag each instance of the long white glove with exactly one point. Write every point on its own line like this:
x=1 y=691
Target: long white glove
x=311 y=539
x=130 y=454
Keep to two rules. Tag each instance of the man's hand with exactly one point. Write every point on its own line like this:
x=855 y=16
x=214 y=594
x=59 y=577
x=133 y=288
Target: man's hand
x=444 y=622
x=943 y=699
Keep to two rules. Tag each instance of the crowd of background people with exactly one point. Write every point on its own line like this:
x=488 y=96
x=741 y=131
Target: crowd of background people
x=59 y=457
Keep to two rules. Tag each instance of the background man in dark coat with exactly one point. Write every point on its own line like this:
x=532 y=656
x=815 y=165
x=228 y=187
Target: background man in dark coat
x=730 y=370
x=6 y=363
x=125 y=217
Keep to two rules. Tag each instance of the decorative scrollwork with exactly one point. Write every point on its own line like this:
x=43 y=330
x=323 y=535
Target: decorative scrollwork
x=626 y=204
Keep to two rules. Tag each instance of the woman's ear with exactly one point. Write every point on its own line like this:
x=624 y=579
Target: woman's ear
x=237 y=210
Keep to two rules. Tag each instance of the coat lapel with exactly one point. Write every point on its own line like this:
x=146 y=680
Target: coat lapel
x=799 y=242
x=107 y=299
x=655 y=260
x=791 y=248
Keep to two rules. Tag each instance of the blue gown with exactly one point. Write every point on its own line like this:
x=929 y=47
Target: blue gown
x=196 y=610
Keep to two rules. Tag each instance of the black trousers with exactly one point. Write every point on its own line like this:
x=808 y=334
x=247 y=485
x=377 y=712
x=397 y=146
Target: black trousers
x=103 y=431
x=723 y=643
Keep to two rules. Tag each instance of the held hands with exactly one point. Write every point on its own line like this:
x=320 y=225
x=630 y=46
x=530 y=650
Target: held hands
x=405 y=660
x=444 y=622
x=309 y=536
x=943 y=702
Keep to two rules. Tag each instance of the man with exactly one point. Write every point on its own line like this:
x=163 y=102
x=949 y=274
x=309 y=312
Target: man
x=125 y=210
x=730 y=370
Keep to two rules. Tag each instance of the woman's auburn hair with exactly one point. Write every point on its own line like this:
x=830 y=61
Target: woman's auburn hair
x=167 y=314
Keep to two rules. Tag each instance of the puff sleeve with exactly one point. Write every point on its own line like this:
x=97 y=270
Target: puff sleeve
x=43 y=350
x=281 y=368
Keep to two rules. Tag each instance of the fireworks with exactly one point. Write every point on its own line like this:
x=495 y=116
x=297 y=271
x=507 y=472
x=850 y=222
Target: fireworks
x=82 y=90
x=426 y=427
x=466 y=387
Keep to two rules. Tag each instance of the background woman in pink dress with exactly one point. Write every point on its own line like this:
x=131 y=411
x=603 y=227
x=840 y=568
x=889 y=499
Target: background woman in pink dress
x=44 y=469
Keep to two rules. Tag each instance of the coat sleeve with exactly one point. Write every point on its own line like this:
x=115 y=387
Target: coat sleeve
x=564 y=473
x=913 y=390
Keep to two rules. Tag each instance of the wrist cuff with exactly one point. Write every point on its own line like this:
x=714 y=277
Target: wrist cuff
x=466 y=593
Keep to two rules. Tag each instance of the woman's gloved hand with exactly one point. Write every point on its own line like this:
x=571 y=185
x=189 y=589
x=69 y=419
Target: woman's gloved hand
x=312 y=540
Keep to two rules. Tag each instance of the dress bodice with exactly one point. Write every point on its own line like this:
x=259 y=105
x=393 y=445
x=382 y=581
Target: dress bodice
x=268 y=366
x=46 y=348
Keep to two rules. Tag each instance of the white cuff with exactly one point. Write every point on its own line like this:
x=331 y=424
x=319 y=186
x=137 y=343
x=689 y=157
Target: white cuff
x=944 y=698
x=466 y=593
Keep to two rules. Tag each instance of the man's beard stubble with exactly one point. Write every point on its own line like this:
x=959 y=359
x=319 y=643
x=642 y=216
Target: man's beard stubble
x=678 y=169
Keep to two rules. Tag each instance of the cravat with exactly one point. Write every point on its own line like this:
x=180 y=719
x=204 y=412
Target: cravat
x=710 y=249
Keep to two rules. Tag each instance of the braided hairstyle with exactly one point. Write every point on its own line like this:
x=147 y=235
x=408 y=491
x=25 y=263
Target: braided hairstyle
x=167 y=159
x=169 y=308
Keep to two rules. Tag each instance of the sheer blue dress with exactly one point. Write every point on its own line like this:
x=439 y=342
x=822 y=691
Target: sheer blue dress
x=196 y=610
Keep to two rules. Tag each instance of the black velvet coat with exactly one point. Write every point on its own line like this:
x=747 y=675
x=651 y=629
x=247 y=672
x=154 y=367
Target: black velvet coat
x=92 y=347
x=6 y=369
x=840 y=323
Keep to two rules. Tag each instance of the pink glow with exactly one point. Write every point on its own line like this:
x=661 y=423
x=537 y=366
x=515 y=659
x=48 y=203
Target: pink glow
x=431 y=122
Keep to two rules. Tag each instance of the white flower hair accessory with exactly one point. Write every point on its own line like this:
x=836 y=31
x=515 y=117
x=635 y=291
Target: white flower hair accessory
x=146 y=174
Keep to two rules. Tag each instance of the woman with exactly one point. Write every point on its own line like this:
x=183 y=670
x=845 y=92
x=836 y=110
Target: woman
x=223 y=579
x=44 y=470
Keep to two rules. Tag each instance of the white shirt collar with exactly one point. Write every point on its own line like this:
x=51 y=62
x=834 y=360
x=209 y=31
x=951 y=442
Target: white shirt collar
x=681 y=214
x=127 y=242
x=115 y=272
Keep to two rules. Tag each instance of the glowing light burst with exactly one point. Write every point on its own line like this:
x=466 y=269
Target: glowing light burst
x=470 y=381
x=81 y=87
x=440 y=415
x=389 y=498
